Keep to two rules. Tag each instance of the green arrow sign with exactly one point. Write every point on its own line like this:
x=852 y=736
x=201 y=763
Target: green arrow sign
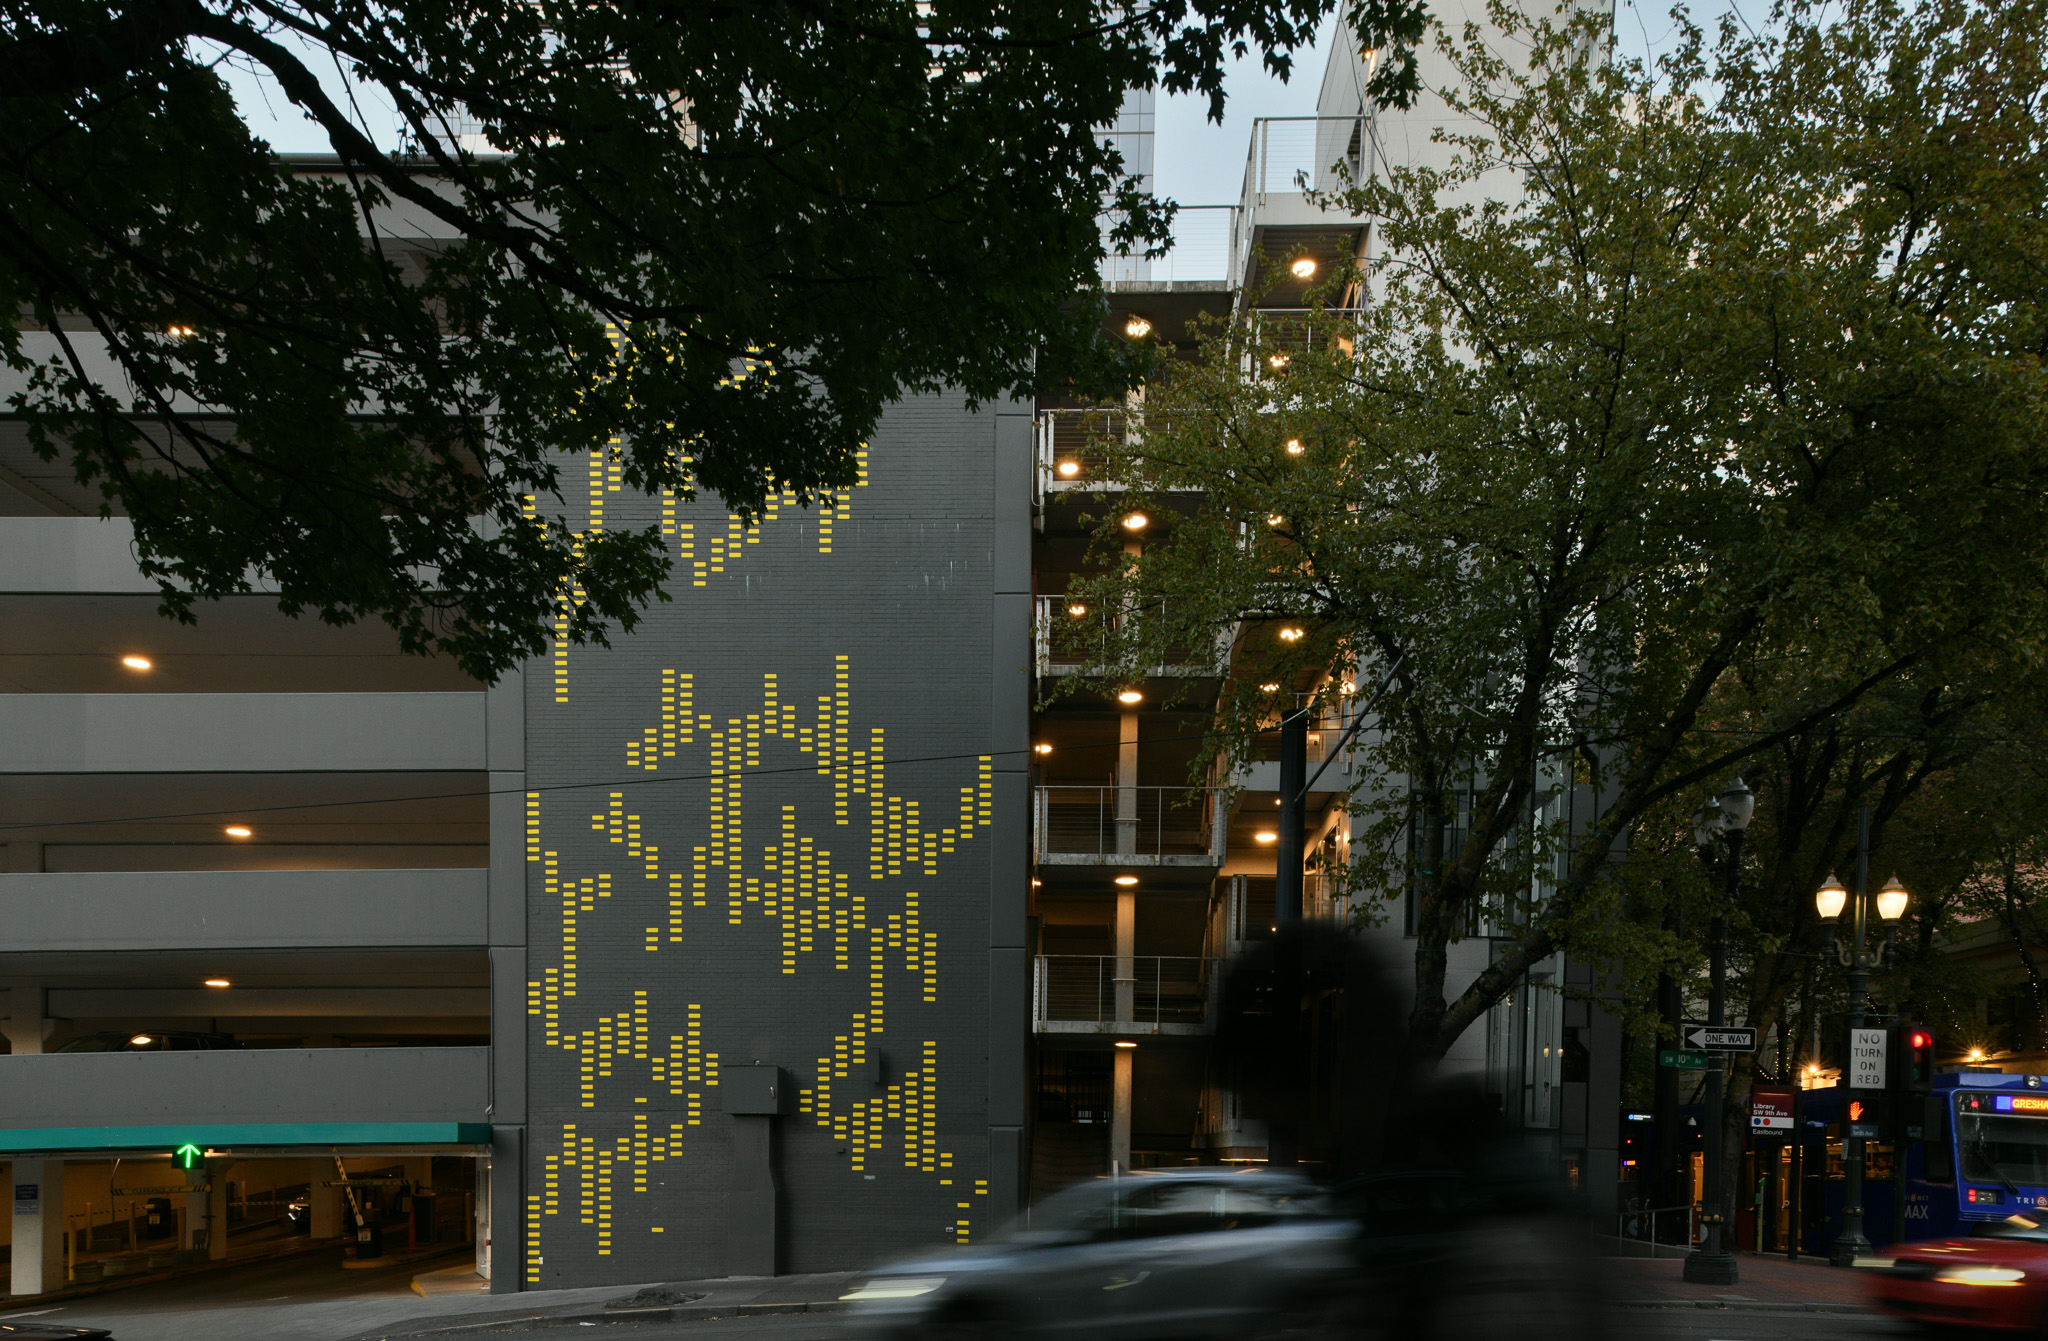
x=1683 y=1061
x=187 y=1156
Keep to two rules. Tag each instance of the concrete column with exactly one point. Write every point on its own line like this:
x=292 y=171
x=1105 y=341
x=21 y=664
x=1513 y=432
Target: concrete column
x=194 y=1230
x=217 y=1212
x=1126 y=944
x=1127 y=783
x=419 y=1173
x=38 y=1226
x=1120 y=1111
x=26 y=1026
x=482 y=1224
x=323 y=1215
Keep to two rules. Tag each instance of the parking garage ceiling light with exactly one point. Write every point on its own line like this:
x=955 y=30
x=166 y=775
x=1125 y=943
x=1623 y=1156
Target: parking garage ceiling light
x=1290 y=634
x=1305 y=268
x=1125 y=1043
x=140 y=1041
x=137 y=663
x=1042 y=748
x=1069 y=469
x=1137 y=521
x=1127 y=880
x=1130 y=696
x=1269 y=688
x=1077 y=609
x=238 y=831
x=1137 y=327
x=1294 y=447
x=218 y=982
x=1266 y=836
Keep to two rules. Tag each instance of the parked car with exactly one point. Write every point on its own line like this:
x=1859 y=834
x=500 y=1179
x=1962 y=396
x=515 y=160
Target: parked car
x=1994 y=1280
x=1187 y=1253
x=152 y=1040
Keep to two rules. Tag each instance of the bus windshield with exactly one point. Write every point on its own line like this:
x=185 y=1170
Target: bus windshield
x=1999 y=1149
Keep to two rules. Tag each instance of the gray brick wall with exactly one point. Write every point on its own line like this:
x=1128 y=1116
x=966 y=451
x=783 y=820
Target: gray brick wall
x=700 y=896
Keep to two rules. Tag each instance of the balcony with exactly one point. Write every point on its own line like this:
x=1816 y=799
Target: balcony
x=1130 y=826
x=1275 y=215
x=1154 y=994
x=1203 y=237
x=1068 y=642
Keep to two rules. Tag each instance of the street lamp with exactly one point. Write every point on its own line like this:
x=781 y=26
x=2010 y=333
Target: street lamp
x=1830 y=901
x=1725 y=818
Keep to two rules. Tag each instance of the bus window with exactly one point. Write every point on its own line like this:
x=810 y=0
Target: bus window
x=2001 y=1149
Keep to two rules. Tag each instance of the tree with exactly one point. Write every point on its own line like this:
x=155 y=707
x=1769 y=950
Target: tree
x=1738 y=371
x=715 y=239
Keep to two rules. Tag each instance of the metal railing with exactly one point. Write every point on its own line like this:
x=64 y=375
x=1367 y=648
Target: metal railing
x=1072 y=632
x=1155 y=989
x=1636 y=1233
x=1289 y=150
x=1116 y=822
x=1070 y=446
x=1203 y=238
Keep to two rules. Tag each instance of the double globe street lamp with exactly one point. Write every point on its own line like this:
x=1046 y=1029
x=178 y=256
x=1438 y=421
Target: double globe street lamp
x=1830 y=901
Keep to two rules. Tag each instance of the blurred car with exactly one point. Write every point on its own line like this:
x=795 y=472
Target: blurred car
x=1200 y=1252
x=152 y=1040
x=1996 y=1280
x=30 y=1330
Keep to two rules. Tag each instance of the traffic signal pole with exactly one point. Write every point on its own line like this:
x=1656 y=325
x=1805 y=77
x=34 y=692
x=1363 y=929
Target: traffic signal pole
x=1711 y=1263
x=1851 y=1243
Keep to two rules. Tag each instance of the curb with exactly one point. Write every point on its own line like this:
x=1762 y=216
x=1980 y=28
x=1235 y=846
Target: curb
x=1743 y=1305
x=653 y=1313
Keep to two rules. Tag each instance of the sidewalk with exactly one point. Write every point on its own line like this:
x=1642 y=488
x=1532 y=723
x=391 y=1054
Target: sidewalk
x=392 y=1310
x=1766 y=1282
x=680 y=1301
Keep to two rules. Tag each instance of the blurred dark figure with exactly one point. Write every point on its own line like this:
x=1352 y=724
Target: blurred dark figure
x=1465 y=1228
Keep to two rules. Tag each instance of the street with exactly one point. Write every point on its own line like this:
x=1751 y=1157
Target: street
x=310 y=1298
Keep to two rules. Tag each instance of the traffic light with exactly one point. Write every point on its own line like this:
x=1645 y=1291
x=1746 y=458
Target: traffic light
x=1912 y=1058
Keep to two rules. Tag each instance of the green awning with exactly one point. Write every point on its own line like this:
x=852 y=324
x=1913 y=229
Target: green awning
x=216 y=1135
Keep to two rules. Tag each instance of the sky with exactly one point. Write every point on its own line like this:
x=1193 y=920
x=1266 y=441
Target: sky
x=1196 y=161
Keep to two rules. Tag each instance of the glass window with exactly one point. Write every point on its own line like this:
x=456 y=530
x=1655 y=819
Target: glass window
x=2003 y=1149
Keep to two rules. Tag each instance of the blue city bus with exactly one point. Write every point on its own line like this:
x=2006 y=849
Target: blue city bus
x=1975 y=1149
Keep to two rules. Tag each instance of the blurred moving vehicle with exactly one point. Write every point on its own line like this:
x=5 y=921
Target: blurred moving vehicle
x=155 y=1040
x=28 y=1329
x=1994 y=1280
x=1185 y=1253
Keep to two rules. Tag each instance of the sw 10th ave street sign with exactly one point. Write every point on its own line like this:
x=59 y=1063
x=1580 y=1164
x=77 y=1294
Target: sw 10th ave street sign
x=1719 y=1038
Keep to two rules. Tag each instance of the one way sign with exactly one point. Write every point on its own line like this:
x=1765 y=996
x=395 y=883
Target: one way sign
x=1724 y=1038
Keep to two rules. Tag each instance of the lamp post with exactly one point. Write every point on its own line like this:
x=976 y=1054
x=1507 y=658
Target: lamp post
x=1829 y=901
x=1726 y=818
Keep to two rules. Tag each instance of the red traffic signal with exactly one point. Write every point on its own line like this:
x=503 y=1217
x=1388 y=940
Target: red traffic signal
x=1913 y=1059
